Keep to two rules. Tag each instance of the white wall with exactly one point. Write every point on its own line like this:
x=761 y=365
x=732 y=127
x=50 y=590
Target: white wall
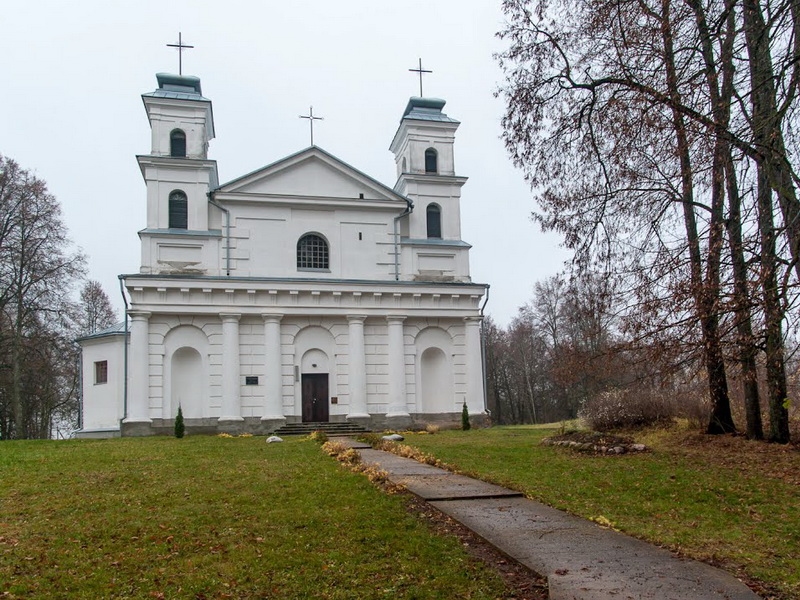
x=103 y=402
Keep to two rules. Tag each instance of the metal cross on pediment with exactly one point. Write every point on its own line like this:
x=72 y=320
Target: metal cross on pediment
x=311 y=118
x=180 y=46
x=420 y=70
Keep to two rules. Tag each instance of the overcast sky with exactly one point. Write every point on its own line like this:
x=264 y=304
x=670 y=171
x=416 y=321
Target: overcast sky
x=71 y=108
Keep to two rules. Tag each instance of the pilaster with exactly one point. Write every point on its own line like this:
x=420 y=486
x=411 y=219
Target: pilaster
x=231 y=401
x=397 y=416
x=358 y=369
x=273 y=389
x=475 y=401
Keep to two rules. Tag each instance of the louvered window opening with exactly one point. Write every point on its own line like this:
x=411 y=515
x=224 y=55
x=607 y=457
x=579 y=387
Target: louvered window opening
x=312 y=253
x=434 y=214
x=177 y=143
x=178 y=211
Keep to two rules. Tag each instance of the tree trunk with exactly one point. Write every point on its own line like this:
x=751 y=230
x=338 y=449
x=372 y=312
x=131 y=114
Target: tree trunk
x=773 y=317
x=766 y=123
x=705 y=293
x=746 y=342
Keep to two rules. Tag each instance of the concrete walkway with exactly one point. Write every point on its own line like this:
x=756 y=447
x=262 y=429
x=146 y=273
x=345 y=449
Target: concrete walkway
x=580 y=559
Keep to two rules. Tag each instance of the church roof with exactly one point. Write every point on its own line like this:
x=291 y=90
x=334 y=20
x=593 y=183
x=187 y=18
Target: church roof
x=178 y=87
x=426 y=109
x=311 y=151
x=116 y=329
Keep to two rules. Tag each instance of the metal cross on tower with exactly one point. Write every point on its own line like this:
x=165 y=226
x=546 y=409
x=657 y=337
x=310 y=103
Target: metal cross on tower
x=311 y=118
x=180 y=46
x=420 y=71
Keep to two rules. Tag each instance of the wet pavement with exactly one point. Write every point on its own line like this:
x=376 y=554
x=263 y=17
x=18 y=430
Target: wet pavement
x=580 y=559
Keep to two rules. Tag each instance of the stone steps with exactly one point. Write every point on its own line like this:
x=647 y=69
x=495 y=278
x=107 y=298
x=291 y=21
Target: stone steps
x=339 y=428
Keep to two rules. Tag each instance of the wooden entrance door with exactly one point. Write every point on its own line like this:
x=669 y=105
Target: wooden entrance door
x=315 y=397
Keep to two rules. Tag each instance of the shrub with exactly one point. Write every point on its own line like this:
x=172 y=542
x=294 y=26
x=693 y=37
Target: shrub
x=432 y=428
x=373 y=439
x=465 y=424
x=180 y=428
x=619 y=408
x=318 y=436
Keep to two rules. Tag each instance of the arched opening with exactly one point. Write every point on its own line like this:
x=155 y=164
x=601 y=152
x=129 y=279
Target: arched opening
x=437 y=389
x=431 y=161
x=186 y=370
x=312 y=252
x=405 y=166
x=177 y=143
x=178 y=210
x=434 y=218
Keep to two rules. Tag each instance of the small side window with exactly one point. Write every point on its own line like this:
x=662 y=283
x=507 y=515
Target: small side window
x=177 y=143
x=101 y=371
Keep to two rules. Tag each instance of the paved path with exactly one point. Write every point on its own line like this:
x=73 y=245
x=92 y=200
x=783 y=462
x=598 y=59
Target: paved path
x=580 y=559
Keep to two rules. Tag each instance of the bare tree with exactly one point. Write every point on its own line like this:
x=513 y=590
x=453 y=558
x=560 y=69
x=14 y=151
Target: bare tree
x=37 y=273
x=96 y=310
x=628 y=118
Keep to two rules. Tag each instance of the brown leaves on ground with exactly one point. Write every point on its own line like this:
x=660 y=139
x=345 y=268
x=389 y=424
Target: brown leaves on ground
x=779 y=461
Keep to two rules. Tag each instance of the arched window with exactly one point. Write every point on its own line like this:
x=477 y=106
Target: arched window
x=178 y=210
x=177 y=143
x=312 y=252
x=434 y=214
x=430 y=161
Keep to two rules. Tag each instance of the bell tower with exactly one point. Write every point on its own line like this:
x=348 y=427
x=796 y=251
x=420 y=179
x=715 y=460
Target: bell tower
x=178 y=173
x=423 y=152
x=431 y=248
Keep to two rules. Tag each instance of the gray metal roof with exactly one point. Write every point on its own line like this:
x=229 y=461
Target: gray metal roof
x=178 y=87
x=116 y=329
x=427 y=109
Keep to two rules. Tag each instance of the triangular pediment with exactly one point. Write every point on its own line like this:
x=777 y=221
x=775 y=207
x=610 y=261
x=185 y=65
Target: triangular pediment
x=311 y=173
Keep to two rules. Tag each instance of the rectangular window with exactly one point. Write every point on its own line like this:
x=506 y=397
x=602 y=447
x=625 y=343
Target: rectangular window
x=101 y=371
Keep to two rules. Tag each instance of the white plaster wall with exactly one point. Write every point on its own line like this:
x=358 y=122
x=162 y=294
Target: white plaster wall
x=166 y=115
x=208 y=328
x=103 y=403
x=264 y=241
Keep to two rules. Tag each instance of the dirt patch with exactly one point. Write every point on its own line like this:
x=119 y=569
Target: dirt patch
x=593 y=442
x=523 y=583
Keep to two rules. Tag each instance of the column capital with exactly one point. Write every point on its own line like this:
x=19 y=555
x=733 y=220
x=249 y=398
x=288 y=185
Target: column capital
x=271 y=318
x=473 y=320
x=139 y=315
x=356 y=318
x=230 y=317
x=395 y=318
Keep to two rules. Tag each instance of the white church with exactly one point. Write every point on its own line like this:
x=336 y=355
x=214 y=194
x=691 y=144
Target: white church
x=305 y=291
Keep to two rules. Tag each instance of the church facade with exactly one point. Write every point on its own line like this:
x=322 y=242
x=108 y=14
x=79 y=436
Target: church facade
x=305 y=291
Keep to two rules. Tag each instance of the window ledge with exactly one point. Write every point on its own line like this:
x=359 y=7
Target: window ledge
x=308 y=269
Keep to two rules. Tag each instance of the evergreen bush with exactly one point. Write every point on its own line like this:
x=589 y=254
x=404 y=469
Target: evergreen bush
x=180 y=428
x=465 y=424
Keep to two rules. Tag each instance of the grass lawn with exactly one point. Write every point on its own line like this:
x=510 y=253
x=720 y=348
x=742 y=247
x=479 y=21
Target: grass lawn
x=209 y=517
x=733 y=502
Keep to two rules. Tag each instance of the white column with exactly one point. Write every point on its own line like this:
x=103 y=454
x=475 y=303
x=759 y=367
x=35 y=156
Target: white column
x=231 y=404
x=273 y=388
x=358 y=368
x=474 y=365
x=397 y=368
x=139 y=368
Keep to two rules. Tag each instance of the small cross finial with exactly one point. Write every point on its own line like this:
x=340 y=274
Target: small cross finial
x=180 y=46
x=311 y=118
x=420 y=70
